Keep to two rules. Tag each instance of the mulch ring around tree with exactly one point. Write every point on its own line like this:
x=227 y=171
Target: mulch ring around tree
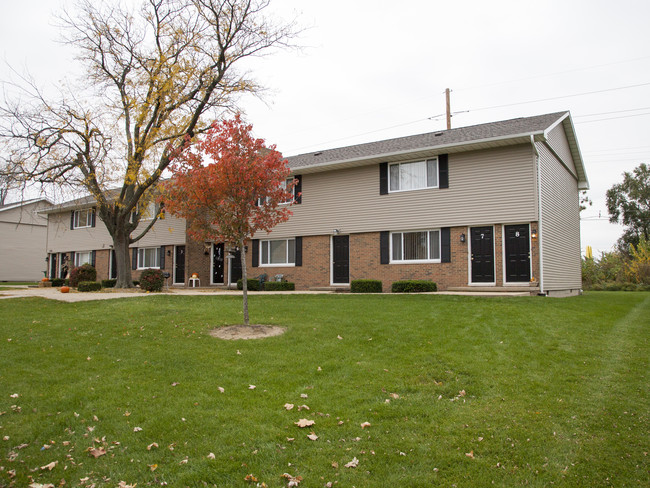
x=236 y=332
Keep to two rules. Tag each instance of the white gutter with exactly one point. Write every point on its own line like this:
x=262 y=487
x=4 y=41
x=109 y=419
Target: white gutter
x=539 y=216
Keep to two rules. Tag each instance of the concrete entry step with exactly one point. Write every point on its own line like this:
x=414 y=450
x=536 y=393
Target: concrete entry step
x=533 y=290
x=336 y=289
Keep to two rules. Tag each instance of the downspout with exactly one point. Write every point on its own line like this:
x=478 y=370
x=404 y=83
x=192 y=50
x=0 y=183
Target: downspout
x=539 y=216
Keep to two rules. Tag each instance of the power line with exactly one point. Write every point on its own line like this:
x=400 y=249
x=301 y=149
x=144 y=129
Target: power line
x=612 y=118
x=614 y=112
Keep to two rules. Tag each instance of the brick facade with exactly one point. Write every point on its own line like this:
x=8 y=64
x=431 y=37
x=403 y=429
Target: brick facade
x=365 y=262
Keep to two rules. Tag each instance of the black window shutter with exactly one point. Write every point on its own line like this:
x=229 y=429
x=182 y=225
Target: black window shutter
x=72 y=220
x=162 y=257
x=93 y=214
x=443 y=171
x=298 y=251
x=255 y=253
x=384 y=247
x=297 y=190
x=445 y=244
x=383 y=178
x=93 y=257
x=71 y=260
x=134 y=258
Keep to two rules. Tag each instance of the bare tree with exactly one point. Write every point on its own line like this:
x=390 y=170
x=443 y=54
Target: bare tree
x=155 y=78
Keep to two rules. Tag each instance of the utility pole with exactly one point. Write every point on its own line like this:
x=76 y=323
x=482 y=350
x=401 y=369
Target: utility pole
x=447 y=92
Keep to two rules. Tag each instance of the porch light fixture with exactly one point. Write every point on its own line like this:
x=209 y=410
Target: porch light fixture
x=336 y=231
x=533 y=234
x=462 y=238
x=169 y=252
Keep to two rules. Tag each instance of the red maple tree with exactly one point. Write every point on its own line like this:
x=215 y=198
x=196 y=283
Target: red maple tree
x=229 y=185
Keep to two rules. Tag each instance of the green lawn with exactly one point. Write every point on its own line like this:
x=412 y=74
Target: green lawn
x=458 y=391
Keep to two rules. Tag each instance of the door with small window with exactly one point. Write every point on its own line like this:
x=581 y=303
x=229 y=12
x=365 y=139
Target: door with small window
x=482 y=255
x=179 y=265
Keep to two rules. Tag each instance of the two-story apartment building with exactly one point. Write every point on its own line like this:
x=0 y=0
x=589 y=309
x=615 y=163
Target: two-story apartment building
x=76 y=236
x=491 y=205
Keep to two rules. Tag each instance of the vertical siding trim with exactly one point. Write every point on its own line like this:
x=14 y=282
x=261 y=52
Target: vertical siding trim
x=72 y=220
x=161 y=259
x=540 y=232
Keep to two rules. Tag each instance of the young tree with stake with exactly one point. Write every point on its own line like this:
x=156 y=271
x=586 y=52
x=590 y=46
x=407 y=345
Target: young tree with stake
x=228 y=185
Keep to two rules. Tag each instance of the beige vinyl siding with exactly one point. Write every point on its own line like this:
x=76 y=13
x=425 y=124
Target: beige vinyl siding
x=560 y=225
x=22 y=255
x=488 y=186
x=559 y=143
x=25 y=214
x=63 y=239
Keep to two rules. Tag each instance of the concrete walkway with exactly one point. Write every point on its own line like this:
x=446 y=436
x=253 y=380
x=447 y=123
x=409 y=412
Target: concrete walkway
x=75 y=296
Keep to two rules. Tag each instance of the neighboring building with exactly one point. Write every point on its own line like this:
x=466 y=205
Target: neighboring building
x=76 y=236
x=22 y=240
x=493 y=205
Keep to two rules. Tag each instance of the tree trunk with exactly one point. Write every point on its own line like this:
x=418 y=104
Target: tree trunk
x=244 y=280
x=122 y=259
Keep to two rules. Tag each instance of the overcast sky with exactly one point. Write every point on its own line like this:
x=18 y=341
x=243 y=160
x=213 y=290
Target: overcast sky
x=377 y=69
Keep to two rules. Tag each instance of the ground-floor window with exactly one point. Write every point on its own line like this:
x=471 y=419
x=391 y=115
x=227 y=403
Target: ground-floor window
x=418 y=246
x=83 y=257
x=148 y=257
x=278 y=252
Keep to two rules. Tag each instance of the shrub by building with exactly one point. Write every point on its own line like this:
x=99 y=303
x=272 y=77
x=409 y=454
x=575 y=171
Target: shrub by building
x=85 y=272
x=152 y=280
x=413 y=286
x=365 y=286
x=89 y=286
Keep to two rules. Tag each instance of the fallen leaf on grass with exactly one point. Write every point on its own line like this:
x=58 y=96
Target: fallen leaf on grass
x=339 y=337
x=353 y=464
x=304 y=423
x=251 y=387
x=288 y=406
x=293 y=480
x=152 y=445
x=335 y=465
x=96 y=452
x=365 y=424
x=303 y=407
x=175 y=383
x=5 y=438
x=312 y=436
x=39 y=485
x=211 y=456
x=50 y=466
x=127 y=413
x=123 y=484
x=394 y=395
x=220 y=389
x=470 y=454
x=137 y=429
x=184 y=460
x=14 y=395
x=251 y=478
x=152 y=467
x=304 y=395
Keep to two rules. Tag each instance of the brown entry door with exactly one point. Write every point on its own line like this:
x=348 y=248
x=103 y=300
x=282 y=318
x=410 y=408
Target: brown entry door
x=517 y=247
x=179 y=264
x=482 y=259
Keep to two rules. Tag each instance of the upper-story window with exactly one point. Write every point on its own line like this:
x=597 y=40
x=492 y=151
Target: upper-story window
x=413 y=176
x=278 y=252
x=83 y=218
x=288 y=181
x=148 y=211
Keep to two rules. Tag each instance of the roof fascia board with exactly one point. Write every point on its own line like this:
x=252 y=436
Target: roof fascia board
x=538 y=135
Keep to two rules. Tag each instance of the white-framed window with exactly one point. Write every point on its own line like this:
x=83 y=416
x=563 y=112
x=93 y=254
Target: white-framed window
x=288 y=181
x=83 y=257
x=148 y=211
x=148 y=257
x=279 y=252
x=83 y=218
x=421 y=246
x=413 y=176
